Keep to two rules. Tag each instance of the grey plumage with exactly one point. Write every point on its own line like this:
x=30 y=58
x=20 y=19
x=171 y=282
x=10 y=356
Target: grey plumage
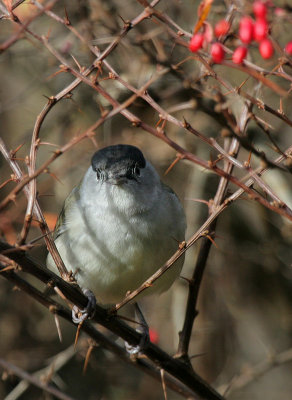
x=119 y=226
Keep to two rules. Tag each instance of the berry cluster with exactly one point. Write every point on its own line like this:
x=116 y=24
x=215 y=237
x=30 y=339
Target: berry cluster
x=249 y=30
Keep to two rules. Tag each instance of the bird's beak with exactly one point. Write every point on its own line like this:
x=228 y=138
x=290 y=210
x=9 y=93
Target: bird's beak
x=117 y=180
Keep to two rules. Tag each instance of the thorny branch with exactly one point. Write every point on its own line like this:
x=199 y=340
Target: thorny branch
x=176 y=368
x=58 y=310
x=93 y=76
x=195 y=281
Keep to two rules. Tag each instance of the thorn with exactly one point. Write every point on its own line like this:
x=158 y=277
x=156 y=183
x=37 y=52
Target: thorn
x=186 y=125
x=48 y=144
x=172 y=47
x=197 y=200
x=247 y=163
x=281 y=111
x=124 y=22
x=87 y=357
x=77 y=334
x=57 y=73
x=230 y=92
x=237 y=90
x=127 y=24
x=103 y=112
x=197 y=355
x=177 y=241
x=57 y=322
x=66 y=19
x=163 y=383
x=52 y=175
x=161 y=121
x=48 y=34
x=211 y=240
x=53 y=310
x=178 y=158
x=32 y=242
x=94 y=141
x=8 y=268
x=51 y=99
x=59 y=292
x=13 y=152
x=190 y=281
x=243 y=83
x=77 y=63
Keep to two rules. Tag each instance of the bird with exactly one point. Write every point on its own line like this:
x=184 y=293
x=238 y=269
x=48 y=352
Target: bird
x=119 y=226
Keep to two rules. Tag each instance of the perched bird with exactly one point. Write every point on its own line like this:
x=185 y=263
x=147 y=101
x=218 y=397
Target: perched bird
x=119 y=225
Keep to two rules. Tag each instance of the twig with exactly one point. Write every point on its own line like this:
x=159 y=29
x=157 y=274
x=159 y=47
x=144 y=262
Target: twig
x=56 y=363
x=11 y=368
x=256 y=371
x=38 y=214
x=24 y=27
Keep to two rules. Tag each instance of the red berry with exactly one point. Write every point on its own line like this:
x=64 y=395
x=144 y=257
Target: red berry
x=153 y=335
x=288 y=48
x=260 y=29
x=221 y=28
x=246 y=30
x=266 y=48
x=239 y=54
x=196 y=42
x=259 y=9
x=217 y=52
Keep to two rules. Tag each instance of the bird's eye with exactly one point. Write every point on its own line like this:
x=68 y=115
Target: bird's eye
x=136 y=171
x=98 y=174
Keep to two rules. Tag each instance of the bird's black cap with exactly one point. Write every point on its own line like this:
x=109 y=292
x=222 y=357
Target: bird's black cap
x=122 y=154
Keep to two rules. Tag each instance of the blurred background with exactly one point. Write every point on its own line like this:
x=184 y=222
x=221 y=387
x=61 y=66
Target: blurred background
x=245 y=302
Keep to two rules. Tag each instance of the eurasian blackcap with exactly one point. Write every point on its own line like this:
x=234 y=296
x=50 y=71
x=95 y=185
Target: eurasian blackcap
x=119 y=225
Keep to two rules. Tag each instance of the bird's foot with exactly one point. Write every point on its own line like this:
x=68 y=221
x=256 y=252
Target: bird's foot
x=144 y=330
x=134 y=351
x=88 y=312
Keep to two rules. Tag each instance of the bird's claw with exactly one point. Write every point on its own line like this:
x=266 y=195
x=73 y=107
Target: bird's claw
x=88 y=312
x=134 y=351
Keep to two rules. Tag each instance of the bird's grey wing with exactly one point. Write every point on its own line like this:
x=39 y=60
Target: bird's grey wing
x=61 y=222
x=168 y=189
x=171 y=192
x=177 y=204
